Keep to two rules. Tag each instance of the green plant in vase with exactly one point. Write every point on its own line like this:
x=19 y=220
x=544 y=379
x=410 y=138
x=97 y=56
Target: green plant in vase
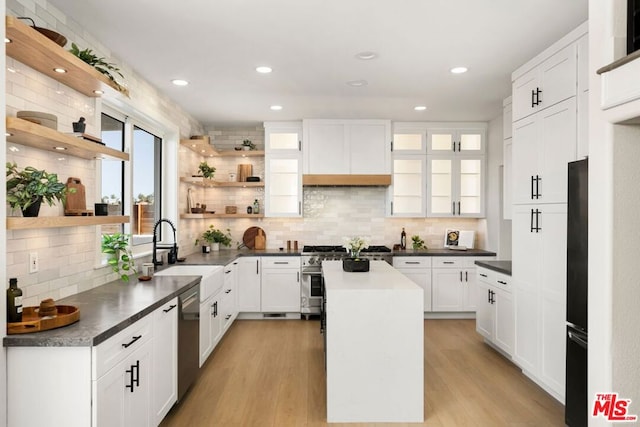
x=248 y=145
x=28 y=188
x=119 y=256
x=214 y=235
x=418 y=243
x=206 y=170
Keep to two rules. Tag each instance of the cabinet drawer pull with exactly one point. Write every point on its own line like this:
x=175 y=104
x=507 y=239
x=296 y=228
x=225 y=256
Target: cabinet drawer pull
x=227 y=291
x=448 y=262
x=132 y=341
x=171 y=307
x=281 y=262
x=227 y=272
x=501 y=282
x=412 y=262
x=483 y=275
x=227 y=317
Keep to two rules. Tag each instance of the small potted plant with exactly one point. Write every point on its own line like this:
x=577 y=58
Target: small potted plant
x=206 y=170
x=214 y=237
x=248 y=145
x=119 y=256
x=354 y=263
x=418 y=243
x=27 y=188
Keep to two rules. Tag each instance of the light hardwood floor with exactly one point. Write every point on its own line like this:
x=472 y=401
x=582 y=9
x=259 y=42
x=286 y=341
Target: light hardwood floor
x=271 y=373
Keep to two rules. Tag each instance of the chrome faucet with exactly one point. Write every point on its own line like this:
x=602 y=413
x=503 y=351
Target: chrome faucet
x=173 y=252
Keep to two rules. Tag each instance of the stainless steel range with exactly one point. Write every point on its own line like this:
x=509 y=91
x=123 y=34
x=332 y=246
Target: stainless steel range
x=311 y=271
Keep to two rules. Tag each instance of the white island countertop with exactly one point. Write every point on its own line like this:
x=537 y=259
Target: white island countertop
x=374 y=344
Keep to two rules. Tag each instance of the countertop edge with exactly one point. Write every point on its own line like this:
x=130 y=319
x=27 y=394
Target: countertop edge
x=503 y=267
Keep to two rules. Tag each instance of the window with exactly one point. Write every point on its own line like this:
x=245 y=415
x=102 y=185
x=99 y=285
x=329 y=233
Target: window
x=146 y=185
x=113 y=171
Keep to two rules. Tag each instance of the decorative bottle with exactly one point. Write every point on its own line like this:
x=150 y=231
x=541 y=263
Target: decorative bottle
x=14 y=301
x=403 y=239
x=256 y=207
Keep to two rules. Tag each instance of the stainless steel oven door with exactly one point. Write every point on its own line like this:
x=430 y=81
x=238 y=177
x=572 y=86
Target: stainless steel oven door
x=311 y=293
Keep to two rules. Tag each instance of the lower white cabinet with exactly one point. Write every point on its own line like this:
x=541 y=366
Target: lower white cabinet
x=494 y=313
x=418 y=269
x=249 y=284
x=454 y=284
x=210 y=325
x=165 y=359
x=229 y=304
x=280 y=284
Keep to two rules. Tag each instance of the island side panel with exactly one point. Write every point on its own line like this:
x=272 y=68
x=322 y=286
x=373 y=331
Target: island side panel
x=375 y=345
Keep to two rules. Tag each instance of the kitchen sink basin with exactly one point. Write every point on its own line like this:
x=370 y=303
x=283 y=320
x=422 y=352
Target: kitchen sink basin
x=212 y=276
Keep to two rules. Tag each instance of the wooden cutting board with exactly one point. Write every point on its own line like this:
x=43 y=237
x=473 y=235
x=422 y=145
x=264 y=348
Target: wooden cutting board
x=76 y=203
x=249 y=237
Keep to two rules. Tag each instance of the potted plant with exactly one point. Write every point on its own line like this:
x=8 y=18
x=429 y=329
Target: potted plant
x=418 y=243
x=119 y=256
x=27 y=188
x=354 y=263
x=214 y=237
x=99 y=63
x=248 y=145
x=206 y=170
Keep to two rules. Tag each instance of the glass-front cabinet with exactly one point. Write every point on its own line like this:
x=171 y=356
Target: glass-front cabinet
x=455 y=186
x=408 y=188
x=409 y=138
x=283 y=169
x=460 y=141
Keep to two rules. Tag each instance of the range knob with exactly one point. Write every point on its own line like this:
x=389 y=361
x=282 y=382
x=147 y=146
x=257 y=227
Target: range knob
x=312 y=261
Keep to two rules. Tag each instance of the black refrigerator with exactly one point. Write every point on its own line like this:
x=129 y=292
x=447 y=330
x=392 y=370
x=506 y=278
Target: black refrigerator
x=576 y=410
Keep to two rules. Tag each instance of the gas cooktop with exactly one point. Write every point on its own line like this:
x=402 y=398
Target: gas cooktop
x=335 y=248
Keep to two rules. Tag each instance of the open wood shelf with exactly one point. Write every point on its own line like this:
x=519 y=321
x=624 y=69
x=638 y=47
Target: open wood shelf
x=202 y=182
x=21 y=223
x=38 y=52
x=34 y=135
x=203 y=148
x=210 y=215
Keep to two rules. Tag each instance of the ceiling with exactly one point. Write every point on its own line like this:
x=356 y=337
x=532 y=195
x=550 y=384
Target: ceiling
x=311 y=46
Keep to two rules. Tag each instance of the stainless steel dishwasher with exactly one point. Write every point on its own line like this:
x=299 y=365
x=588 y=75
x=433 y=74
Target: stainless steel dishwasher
x=188 y=338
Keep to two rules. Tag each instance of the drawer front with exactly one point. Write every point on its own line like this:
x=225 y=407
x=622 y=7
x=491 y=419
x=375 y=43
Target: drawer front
x=502 y=281
x=411 y=262
x=281 y=262
x=110 y=352
x=485 y=275
x=448 y=262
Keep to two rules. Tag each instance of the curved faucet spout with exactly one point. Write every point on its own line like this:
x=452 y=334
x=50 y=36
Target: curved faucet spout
x=174 y=250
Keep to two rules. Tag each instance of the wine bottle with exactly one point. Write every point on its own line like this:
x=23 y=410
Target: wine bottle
x=14 y=301
x=403 y=239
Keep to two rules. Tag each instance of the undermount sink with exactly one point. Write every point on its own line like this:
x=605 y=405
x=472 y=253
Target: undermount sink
x=212 y=276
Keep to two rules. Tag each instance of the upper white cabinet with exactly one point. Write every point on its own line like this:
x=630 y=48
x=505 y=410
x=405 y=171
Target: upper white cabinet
x=456 y=140
x=552 y=81
x=409 y=185
x=455 y=186
x=507 y=157
x=543 y=144
x=343 y=147
x=409 y=138
x=283 y=169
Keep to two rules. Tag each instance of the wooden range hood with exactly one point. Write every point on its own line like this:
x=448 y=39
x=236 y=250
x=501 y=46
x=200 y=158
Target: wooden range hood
x=347 y=180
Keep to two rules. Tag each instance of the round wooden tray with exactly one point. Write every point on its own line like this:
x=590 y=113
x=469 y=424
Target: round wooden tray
x=31 y=322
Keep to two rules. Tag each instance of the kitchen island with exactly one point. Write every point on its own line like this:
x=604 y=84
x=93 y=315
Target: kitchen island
x=374 y=345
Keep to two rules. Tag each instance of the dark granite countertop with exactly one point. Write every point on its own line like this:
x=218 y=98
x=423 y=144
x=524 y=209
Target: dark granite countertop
x=225 y=256
x=105 y=311
x=443 y=252
x=503 y=267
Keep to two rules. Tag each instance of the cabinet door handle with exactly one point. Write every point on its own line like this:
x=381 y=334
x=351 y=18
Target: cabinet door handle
x=132 y=341
x=453 y=208
x=461 y=276
x=538 y=92
x=215 y=309
x=466 y=276
x=171 y=307
x=299 y=208
x=458 y=208
x=459 y=146
x=130 y=385
x=299 y=145
x=489 y=296
x=136 y=378
x=531 y=228
x=392 y=208
x=532 y=196
x=227 y=272
x=257 y=266
x=533 y=103
x=298 y=276
x=538 y=179
x=227 y=317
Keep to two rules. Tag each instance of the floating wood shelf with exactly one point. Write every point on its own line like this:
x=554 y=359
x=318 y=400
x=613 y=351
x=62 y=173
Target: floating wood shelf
x=202 y=182
x=203 y=148
x=21 y=223
x=209 y=215
x=38 y=52
x=27 y=133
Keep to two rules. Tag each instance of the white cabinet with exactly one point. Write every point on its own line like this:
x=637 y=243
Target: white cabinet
x=283 y=169
x=229 y=295
x=550 y=82
x=453 y=284
x=409 y=138
x=210 y=325
x=459 y=140
x=357 y=147
x=249 y=284
x=455 y=186
x=418 y=269
x=280 y=285
x=539 y=277
x=409 y=184
x=122 y=383
x=507 y=157
x=165 y=359
x=494 y=315
x=543 y=144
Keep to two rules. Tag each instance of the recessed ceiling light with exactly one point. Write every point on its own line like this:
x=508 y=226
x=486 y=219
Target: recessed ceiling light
x=459 y=70
x=263 y=69
x=357 y=83
x=179 y=82
x=276 y=107
x=60 y=148
x=367 y=55
x=98 y=92
x=59 y=70
x=419 y=108
x=7 y=40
